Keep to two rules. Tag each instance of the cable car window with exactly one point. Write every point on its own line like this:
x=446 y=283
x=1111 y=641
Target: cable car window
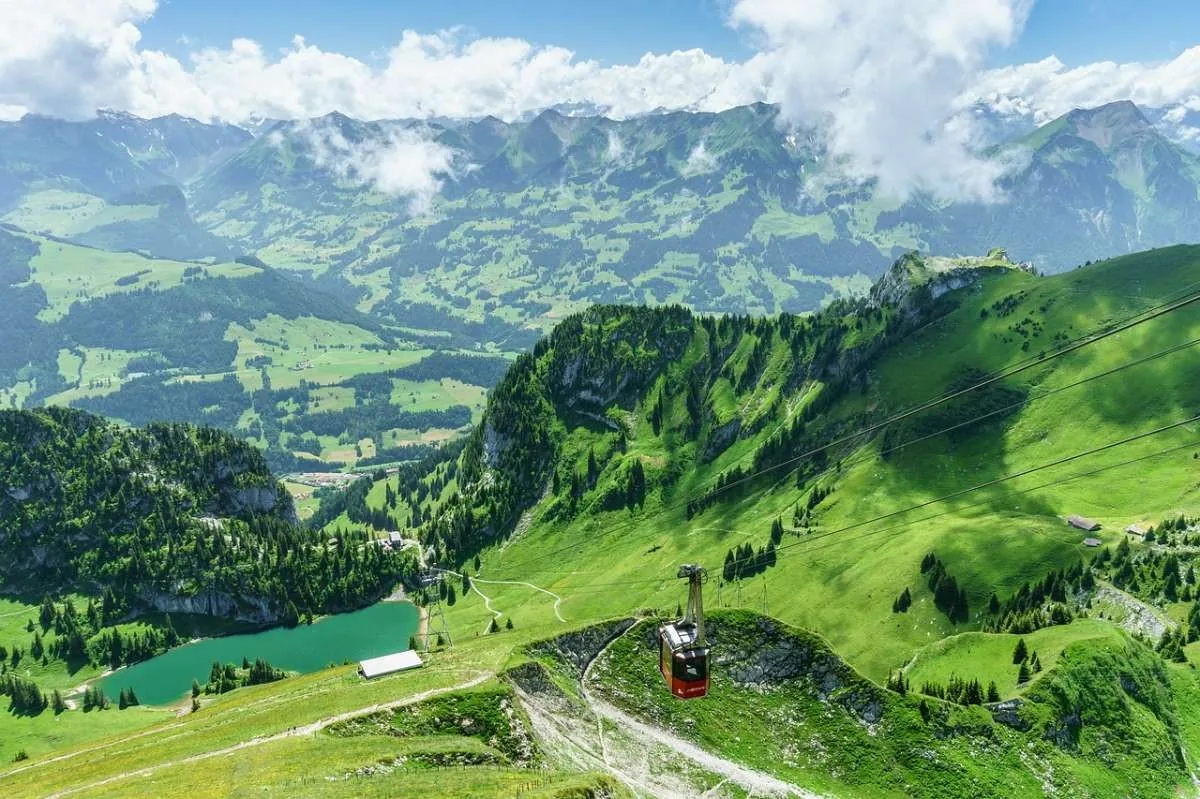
x=691 y=667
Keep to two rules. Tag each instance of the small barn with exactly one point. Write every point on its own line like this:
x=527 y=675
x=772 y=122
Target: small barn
x=1091 y=542
x=1136 y=529
x=389 y=664
x=1081 y=523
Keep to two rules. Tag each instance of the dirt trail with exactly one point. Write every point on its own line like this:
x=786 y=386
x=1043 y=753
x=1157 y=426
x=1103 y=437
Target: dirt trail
x=487 y=601
x=308 y=729
x=557 y=599
x=575 y=740
x=756 y=782
x=649 y=760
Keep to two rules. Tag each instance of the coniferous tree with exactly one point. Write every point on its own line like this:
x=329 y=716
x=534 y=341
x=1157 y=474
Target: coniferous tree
x=1020 y=652
x=1023 y=674
x=993 y=693
x=46 y=613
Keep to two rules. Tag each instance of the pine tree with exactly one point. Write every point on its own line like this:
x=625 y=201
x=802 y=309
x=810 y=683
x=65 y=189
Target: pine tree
x=57 y=702
x=195 y=688
x=593 y=468
x=1020 y=653
x=993 y=693
x=508 y=625
x=1023 y=674
x=493 y=627
x=170 y=636
x=46 y=613
x=1035 y=664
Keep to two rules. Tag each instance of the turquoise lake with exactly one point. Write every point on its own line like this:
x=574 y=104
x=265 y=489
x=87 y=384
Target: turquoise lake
x=378 y=630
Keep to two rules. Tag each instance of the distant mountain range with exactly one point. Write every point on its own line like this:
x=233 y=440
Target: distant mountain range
x=530 y=220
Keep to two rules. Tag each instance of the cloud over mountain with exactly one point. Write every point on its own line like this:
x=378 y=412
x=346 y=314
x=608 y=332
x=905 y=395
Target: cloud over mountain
x=882 y=81
x=402 y=162
x=886 y=81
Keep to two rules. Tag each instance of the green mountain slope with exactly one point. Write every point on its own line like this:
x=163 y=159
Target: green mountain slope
x=233 y=344
x=1102 y=721
x=621 y=447
x=632 y=440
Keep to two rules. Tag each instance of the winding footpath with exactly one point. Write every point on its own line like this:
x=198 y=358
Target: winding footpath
x=557 y=599
x=487 y=601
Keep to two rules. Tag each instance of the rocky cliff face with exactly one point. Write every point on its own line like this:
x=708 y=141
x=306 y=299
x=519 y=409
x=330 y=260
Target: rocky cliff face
x=253 y=610
x=914 y=281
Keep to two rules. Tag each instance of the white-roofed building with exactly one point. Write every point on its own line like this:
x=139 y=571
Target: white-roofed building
x=389 y=664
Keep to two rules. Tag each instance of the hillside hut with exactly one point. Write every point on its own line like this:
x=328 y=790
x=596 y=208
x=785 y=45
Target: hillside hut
x=1136 y=529
x=389 y=664
x=1091 y=542
x=1081 y=523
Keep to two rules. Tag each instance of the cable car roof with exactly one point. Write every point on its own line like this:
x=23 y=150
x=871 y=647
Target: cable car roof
x=680 y=635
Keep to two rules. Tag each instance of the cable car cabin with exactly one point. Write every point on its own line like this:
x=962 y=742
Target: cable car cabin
x=683 y=660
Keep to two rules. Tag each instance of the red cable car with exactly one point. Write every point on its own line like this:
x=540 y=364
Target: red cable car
x=682 y=647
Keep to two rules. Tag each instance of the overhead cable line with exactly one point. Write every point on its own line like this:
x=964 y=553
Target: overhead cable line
x=789 y=550
x=1091 y=338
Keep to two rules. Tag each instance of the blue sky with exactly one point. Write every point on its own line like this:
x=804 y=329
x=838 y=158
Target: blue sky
x=619 y=31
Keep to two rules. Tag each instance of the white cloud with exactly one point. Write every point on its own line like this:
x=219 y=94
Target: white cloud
x=885 y=81
x=1047 y=89
x=400 y=162
x=699 y=161
x=616 y=150
x=67 y=58
x=441 y=74
x=882 y=81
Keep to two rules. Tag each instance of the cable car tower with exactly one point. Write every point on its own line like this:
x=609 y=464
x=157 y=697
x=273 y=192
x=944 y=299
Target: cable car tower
x=682 y=647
